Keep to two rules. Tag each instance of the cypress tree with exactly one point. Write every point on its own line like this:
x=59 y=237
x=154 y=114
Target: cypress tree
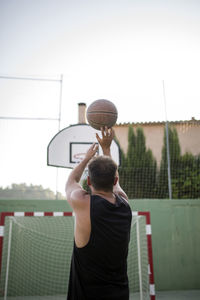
x=187 y=183
x=138 y=171
x=128 y=166
x=145 y=166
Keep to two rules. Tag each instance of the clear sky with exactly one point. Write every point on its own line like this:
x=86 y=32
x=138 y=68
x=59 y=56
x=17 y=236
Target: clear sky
x=119 y=50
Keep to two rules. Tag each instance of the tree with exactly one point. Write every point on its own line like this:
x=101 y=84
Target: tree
x=31 y=192
x=138 y=171
x=185 y=171
x=145 y=166
x=187 y=183
x=127 y=161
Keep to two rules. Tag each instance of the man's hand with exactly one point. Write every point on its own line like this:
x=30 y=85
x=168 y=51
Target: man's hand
x=91 y=151
x=106 y=140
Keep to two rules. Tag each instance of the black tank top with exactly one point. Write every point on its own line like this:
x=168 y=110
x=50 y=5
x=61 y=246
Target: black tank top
x=99 y=269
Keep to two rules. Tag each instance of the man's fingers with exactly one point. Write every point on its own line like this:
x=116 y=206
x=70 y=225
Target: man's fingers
x=109 y=132
x=102 y=132
x=106 y=131
x=112 y=132
x=93 y=149
x=96 y=147
x=93 y=146
x=97 y=137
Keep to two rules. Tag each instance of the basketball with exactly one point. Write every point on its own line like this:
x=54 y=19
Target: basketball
x=102 y=113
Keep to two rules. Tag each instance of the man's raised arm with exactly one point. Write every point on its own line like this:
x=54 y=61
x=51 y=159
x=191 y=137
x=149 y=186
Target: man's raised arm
x=105 y=143
x=72 y=184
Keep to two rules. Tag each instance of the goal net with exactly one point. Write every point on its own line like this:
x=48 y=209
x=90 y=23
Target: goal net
x=37 y=255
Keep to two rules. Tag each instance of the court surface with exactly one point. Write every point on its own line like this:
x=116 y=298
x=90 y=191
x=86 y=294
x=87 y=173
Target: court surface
x=164 y=295
x=178 y=295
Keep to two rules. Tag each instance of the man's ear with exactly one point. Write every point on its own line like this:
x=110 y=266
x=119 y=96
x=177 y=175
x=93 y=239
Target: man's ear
x=116 y=180
x=88 y=180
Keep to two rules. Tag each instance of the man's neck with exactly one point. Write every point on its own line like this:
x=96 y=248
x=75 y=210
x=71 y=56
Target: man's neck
x=106 y=195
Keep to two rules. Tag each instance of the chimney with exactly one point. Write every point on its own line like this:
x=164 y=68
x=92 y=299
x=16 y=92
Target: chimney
x=81 y=113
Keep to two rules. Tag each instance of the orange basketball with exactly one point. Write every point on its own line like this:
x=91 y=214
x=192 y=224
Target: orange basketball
x=102 y=113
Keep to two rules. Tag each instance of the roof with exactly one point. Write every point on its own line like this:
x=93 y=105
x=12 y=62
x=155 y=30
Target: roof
x=192 y=121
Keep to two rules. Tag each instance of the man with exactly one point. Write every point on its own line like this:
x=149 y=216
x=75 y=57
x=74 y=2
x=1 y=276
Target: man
x=102 y=228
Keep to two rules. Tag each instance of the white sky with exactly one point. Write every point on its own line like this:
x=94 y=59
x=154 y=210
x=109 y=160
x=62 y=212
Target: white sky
x=119 y=50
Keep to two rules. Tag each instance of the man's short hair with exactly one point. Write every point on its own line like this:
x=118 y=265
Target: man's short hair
x=102 y=172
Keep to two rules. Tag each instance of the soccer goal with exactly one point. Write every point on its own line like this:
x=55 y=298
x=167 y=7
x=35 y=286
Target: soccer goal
x=35 y=256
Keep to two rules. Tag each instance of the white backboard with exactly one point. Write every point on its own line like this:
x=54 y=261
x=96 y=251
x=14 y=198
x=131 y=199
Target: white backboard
x=69 y=146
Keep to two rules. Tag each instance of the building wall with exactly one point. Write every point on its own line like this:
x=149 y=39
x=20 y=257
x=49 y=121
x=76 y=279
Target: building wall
x=188 y=133
x=189 y=137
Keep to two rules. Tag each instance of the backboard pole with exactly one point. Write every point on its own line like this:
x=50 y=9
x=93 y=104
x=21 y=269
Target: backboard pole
x=60 y=101
x=59 y=123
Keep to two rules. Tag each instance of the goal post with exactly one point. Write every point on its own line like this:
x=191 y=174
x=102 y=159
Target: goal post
x=36 y=249
x=140 y=272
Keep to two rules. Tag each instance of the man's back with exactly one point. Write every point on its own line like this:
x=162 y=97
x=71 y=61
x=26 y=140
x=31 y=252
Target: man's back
x=102 y=227
x=99 y=270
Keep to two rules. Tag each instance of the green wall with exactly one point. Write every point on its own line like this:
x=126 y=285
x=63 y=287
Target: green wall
x=175 y=236
x=176 y=242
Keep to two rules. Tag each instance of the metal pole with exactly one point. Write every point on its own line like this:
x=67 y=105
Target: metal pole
x=60 y=101
x=53 y=119
x=28 y=78
x=139 y=257
x=8 y=259
x=27 y=119
x=167 y=144
x=59 y=123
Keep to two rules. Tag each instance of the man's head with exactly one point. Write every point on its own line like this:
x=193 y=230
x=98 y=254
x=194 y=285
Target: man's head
x=102 y=173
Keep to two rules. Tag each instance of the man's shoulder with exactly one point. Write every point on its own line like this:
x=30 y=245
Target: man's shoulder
x=122 y=195
x=79 y=199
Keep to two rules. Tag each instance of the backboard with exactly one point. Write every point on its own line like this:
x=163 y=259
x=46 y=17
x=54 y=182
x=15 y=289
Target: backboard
x=68 y=146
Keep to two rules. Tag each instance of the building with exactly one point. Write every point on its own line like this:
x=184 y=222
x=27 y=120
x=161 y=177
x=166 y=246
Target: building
x=188 y=133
